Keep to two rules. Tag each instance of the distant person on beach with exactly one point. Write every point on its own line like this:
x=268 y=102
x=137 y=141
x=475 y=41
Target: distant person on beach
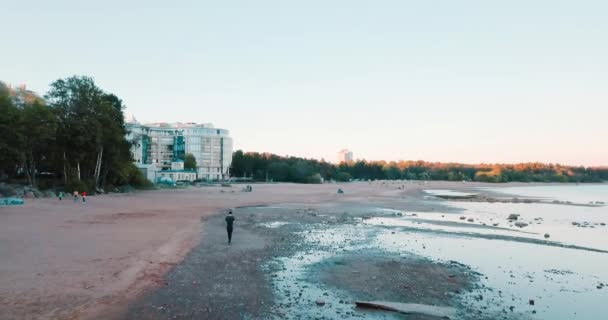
x=75 y=195
x=229 y=223
x=60 y=195
x=84 y=196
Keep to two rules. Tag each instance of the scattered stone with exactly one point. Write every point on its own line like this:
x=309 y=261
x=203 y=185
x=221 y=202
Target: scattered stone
x=513 y=216
x=521 y=224
x=340 y=191
x=320 y=302
x=463 y=217
x=547 y=235
x=471 y=220
x=531 y=302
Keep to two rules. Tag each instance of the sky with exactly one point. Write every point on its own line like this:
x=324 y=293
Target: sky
x=464 y=81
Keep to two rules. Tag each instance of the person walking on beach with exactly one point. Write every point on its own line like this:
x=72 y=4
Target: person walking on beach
x=229 y=223
x=84 y=196
x=75 y=195
x=60 y=195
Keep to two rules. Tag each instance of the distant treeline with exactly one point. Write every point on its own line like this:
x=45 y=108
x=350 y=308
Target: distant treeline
x=72 y=138
x=266 y=166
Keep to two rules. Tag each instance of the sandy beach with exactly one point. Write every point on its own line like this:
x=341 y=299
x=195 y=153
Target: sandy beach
x=72 y=260
x=66 y=260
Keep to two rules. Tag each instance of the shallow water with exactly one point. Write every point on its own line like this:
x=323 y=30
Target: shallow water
x=274 y=224
x=518 y=264
x=521 y=271
x=582 y=193
x=441 y=192
x=561 y=281
x=295 y=290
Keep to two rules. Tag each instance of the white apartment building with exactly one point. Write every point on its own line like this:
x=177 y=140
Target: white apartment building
x=157 y=146
x=345 y=155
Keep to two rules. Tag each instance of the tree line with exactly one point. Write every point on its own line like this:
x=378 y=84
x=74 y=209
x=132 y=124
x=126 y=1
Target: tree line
x=271 y=167
x=74 y=137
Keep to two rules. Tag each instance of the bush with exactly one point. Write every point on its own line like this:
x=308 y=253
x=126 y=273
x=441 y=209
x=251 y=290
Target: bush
x=343 y=177
x=137 y=179
x=45 y=184
x=315 y=178
x=126 y=189
x=75 y=185
x=7 y=191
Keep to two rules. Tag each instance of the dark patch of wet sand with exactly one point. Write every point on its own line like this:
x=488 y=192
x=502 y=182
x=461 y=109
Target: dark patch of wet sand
x=215 y=280
x=369 y=275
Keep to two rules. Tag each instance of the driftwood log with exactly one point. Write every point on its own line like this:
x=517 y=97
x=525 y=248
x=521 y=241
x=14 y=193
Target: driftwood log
x=410 y=308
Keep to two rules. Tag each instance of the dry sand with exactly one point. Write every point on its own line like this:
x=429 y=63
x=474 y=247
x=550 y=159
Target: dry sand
x=66 y=260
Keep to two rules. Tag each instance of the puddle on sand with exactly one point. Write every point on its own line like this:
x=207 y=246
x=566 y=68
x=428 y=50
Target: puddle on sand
x=449 y=193
x=274 y=224
x=300 y=297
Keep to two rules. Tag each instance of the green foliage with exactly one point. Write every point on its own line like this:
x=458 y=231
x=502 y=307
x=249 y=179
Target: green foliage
x=129 y=174
x=260 y=166
x=300 y=170
x=9 y=135
x=392 y=172
x=315 y=178
x=75 y=137
x=343 y=177
x=278 y=171
x=190 y=162
x=76 y=185
x=137 y=179
x=7 y=190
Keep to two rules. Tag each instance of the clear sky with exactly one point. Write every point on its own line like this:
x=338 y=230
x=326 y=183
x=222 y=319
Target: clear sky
x=467 y=81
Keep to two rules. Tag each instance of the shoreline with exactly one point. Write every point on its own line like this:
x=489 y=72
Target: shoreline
x=117 y=248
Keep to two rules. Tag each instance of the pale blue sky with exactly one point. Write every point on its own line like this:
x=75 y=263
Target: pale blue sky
x=468 y=81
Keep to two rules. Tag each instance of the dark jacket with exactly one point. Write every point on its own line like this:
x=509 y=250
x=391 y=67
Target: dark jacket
x=229 y=221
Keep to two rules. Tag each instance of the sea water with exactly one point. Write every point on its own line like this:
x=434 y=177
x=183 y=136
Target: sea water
x=558 y=265
x=563 y=274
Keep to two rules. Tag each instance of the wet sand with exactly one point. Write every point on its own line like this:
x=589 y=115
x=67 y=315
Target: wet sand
x=255 y=278
x=65 y=260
